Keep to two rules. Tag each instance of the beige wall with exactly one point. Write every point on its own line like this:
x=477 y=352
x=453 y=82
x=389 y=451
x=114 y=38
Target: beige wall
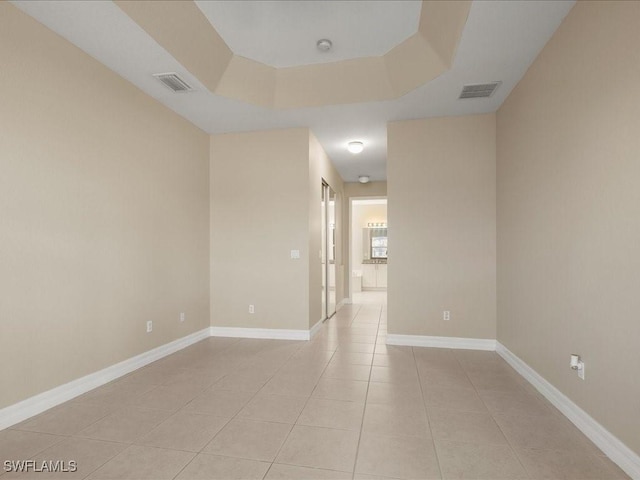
x=104 y=201
x=355 y=190
x=442 y=220
x=259 y=213
x=265 y=202
x=371 y=189
x=321 y=168
x=568 y=213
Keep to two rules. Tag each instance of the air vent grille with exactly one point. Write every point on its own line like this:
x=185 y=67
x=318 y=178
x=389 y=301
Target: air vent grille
x=480 y=90
x=173 y=81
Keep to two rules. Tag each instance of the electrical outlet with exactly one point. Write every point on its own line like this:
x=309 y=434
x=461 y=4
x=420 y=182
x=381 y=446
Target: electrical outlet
x=182 y=317
x=252 y=309
x=446 y=315
x=149 y=326
x=295 y=254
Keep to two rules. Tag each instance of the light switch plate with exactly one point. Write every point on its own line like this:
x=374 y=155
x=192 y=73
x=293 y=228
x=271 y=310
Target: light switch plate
x=295 y=253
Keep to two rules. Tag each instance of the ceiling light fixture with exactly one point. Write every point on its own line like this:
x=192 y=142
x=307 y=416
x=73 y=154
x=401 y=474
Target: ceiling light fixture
x=355 y=147
x=363 y=179
x=324 y=44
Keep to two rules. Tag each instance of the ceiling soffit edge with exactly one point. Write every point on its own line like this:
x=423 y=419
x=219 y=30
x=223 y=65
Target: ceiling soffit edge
x=181 y=28
x=348 y=81
x=249 y=81
x=441 y=24
x=412 y=64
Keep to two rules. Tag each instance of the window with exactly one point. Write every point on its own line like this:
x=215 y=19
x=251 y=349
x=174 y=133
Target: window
x=378 y=246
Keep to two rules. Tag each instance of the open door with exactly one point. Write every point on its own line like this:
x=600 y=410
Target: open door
x=328 y=248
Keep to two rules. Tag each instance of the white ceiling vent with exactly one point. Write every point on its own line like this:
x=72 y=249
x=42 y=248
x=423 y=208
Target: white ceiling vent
x=479 y=90
x=173 y=81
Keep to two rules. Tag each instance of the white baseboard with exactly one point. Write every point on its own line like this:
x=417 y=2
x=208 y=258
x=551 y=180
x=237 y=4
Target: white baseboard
x=442 y=342
x=20 y=411
x=617 y=451
x=266 y=333
x=315 y=329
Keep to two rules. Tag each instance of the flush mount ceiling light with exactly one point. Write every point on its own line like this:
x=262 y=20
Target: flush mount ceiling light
x=363 y=178
x=324 y=44
x=355 y=147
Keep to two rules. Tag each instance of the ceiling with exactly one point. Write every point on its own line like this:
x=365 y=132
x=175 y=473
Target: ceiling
x=284 y=33
x=499 y=41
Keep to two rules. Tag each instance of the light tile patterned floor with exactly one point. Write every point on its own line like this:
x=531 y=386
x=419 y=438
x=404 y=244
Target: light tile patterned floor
x=343 y=406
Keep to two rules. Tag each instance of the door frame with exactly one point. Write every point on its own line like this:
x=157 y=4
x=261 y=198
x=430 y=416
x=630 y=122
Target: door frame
x=350 y=236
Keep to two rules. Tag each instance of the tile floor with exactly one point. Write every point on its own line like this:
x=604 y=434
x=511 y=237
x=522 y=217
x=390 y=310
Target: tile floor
x=343 y=406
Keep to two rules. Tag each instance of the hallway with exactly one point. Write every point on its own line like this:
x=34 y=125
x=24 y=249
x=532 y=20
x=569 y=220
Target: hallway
x=341 y=406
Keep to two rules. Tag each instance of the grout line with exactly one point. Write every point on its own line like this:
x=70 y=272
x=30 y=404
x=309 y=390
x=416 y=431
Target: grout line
x=511 y=447
x=247 y=403
x=477 y=392
x=426 y=411
x=364 y=411
x=237 y=363
x=107 y=460
x=324 y=327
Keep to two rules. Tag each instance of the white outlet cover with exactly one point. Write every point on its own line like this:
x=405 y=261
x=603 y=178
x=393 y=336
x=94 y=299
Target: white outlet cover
x=149 y=326
x=182 y=316
x=295 y=253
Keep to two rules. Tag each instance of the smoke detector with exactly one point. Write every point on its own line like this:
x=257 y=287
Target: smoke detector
x=324 y=44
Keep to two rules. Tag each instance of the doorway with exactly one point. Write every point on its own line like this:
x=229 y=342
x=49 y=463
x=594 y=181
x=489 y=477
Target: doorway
x=368 y=250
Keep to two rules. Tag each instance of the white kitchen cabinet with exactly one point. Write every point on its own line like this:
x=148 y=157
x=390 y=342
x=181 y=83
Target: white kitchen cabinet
x=374 y=275
x=368 y=275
